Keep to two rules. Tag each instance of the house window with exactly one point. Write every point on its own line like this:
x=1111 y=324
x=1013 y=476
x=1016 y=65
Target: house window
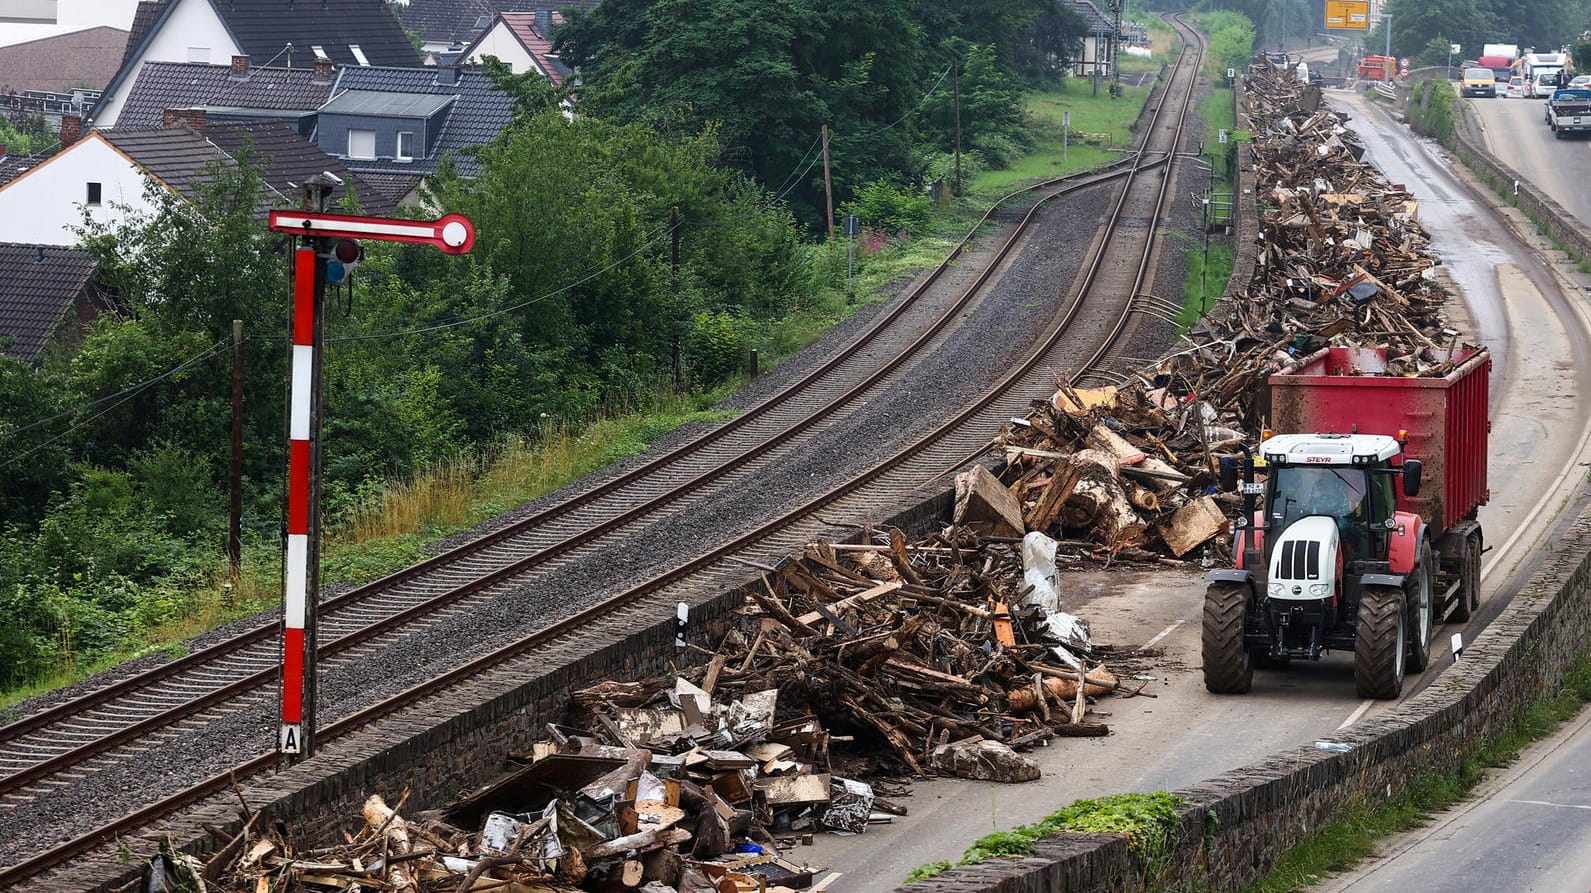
x=359 y=54
x=405 y=145
x=94 y=194
x=362 y=144
x=199 y=54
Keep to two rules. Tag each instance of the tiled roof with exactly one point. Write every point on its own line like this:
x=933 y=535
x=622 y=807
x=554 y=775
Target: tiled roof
x=143 y=22
x=384 y=190
x=458 y=21
x=477 y=116
x=87 y=58
x=524 y=27
x=264 y=27
x=1095 y=19
x=168 y=85
x=288 y=158
x=35 y=293
x=14 y=166
x=178 y=156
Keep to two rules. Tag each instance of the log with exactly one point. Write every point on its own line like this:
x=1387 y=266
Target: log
x=985 y=506
x=639 y=842
x=1192 y=525
x=1099 y=501
x=391 y=827
x=1058 y=690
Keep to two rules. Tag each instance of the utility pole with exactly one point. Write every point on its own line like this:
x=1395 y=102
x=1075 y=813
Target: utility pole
x=1386 y=61
x=234 y=540
x=956 y=75
x=1115 y=55
x=828 y=185
x=1098 y=33
x=673 y=259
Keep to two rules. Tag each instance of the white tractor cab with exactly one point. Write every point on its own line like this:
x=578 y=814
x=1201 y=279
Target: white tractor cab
x=1333 y=563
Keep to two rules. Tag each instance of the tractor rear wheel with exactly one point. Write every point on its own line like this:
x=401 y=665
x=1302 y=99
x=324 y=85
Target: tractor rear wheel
x=1379 y=642
x=1228 y=667
x=1422 y=609
x=1469 y=580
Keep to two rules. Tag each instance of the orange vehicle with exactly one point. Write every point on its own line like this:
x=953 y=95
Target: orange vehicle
x=1378 y=68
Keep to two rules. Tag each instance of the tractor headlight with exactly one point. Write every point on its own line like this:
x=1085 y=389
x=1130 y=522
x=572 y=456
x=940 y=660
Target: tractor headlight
x=1320 y=590
x=1278 y=589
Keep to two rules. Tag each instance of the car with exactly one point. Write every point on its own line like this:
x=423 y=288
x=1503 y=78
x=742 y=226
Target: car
x=1515 y=88
x=1580 y=80
x=1478 y=82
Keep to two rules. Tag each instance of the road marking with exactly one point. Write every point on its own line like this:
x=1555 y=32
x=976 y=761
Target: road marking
x=1163 y=633
x=1550 y=803
x=1354 y=716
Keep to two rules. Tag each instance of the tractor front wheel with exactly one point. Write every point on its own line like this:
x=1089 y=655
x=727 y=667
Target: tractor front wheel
x=1379 y=642
x=1228 y=667
x=1422 y=609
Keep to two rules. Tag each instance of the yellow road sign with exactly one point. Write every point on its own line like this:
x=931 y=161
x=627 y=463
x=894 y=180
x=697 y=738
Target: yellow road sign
x=1353 y=15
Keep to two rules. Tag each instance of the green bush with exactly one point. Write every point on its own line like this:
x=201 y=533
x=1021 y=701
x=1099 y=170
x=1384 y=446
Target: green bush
x=884 y=207
x=715 y=346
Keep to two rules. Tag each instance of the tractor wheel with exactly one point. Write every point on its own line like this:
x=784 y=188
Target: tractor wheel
x=1422 y=609
x=1228 y=668
x=1469 y=581
x=1379 y=646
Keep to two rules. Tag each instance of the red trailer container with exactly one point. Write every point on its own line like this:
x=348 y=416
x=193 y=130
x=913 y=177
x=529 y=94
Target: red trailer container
x=1348 y=390
x=1378 y=68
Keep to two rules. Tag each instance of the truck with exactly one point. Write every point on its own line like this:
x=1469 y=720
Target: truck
x=1378 y=68
x=1542 y=73
x=1569 y=111
x=1363 y=531
x=1502 y=67
x=1507 y=51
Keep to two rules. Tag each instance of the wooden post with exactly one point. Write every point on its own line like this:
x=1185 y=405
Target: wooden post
x=828 y=184
x=234 y=541
x=956 y=69
x=673 y=255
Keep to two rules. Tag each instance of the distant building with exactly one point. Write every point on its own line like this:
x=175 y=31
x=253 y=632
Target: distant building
x=235 y=92
x=82 y=59
x=286 y=33
x=521 y=41
x=447 y=26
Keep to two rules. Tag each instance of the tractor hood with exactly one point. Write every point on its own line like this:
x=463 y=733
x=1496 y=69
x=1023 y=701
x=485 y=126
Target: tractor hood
x=1304 y=560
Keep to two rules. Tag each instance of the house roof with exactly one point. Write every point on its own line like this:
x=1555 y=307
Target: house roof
x=526 y=29
x=264 y=27
x=35 y=293
x=87 y=58
x=177 y=156
x=167 y=85
x=288 y=159
x=460 y=21
x=14 y=166
x=1095 y=19
x=143 y=22
x=391 y=188
x=478 y=114
x=388 y=103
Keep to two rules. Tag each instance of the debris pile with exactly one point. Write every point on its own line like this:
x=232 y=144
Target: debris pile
x=1342 y=261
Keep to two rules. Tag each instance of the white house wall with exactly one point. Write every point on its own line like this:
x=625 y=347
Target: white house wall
x=43 y=206
x=193 y=23
x=505 y=46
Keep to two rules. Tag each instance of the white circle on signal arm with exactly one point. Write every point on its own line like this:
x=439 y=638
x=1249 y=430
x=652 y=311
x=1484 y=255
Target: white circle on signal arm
x=454 y=233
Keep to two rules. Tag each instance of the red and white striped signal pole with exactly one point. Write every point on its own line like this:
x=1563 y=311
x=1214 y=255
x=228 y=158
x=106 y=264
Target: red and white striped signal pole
x=319 y=231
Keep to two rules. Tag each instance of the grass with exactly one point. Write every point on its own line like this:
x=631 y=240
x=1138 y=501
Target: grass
x=1209 y=266
x=1354 y=834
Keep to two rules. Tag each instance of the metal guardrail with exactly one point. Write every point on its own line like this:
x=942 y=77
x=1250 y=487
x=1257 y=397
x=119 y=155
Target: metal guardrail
x=1385 y=89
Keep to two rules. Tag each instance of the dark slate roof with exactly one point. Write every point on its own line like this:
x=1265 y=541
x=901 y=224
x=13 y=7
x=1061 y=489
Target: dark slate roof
x=169 y=85
x=264 y=27
x=34 y=296
x=177 y=156
x=14 y=166
x=458 y=21
x=87 y=58
x=477 y=116
x=384 y=190
x=143 y=23
x=1095 y=19
x=288 y=159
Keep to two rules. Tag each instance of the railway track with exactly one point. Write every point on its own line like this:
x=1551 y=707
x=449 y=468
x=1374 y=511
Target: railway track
x=357 y=621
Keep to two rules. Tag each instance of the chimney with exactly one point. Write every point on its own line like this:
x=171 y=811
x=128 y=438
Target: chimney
x=71 y=129
x=324 y=69
x=4 y=150
x=193 y=118
x=544 y=23
x=240 y=66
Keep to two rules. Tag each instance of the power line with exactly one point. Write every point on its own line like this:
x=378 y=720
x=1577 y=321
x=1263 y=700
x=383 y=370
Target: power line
x=907 y=114
x=125 y=395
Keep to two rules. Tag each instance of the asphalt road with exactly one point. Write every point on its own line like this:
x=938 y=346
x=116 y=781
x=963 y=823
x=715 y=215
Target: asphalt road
x=1529 y=827
x=1184 y=735
x=1516 y=132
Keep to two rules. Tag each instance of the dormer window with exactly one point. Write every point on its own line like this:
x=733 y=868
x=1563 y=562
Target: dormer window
x=405 y=145
x=362 y=144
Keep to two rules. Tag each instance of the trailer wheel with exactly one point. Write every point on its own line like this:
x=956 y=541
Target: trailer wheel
x=1228 y=667
x=1422 y=609
x=1469 y=581
x=1379 y=646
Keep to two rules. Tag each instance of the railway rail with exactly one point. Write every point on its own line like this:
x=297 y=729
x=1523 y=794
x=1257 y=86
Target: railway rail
x=80 y=734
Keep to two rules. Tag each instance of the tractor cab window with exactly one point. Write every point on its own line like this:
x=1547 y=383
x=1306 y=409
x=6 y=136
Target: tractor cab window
x=1303 y=490
x=1383 y=497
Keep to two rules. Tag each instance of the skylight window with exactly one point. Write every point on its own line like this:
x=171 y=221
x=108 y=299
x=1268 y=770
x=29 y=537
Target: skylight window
x=320 y=53
x=359 y=55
